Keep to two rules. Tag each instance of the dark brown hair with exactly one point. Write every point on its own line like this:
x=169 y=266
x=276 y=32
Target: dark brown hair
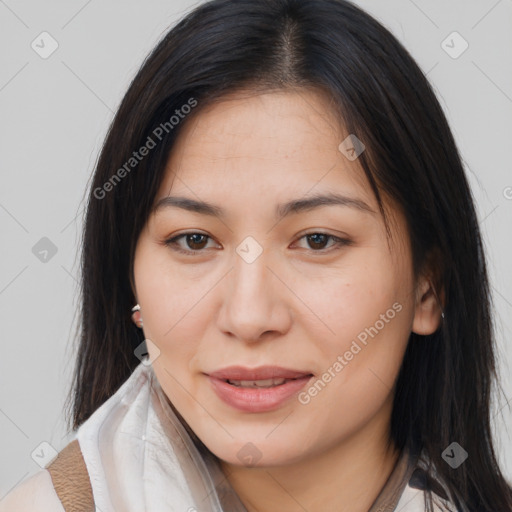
x=444 y=387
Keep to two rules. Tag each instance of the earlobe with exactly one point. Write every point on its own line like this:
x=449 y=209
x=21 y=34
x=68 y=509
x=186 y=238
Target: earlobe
x=429 y=313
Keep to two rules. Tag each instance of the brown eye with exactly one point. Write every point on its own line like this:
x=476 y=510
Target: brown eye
x=194 y=242
x=317 y=241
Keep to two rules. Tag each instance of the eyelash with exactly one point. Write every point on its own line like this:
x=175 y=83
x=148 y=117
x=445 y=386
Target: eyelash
x=173 y=242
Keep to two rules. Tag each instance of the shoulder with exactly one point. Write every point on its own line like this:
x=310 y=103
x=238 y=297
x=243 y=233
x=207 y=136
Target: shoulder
x=34 y=494
x=63 y=484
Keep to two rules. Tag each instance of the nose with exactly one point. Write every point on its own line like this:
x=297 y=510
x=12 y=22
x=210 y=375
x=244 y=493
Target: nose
x=256 y=302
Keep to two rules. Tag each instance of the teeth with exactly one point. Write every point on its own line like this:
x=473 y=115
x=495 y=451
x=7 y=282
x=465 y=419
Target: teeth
x=267 y=383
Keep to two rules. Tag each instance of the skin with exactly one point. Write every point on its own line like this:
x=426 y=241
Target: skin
x=300 y=304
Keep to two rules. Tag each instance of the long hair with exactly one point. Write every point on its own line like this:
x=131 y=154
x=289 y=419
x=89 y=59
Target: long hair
x=446 y=380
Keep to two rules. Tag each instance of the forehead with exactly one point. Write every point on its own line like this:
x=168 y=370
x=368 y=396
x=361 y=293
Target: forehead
x=265 y=143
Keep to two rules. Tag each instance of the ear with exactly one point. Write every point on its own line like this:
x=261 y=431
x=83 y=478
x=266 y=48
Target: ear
x=428 y=312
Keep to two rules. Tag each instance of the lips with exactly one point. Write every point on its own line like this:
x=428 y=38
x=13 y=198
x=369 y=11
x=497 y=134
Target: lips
x=257 y=390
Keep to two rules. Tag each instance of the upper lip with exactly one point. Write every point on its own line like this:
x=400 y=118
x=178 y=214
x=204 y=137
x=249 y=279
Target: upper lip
x=258 y=373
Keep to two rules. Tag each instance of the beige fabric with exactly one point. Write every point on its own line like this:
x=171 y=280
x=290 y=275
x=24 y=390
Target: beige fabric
x=71 y=480
x=34 y=494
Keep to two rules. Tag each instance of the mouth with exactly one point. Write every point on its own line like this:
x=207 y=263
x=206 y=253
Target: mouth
x=257 y=390
x=261 y=374
x=264 y=383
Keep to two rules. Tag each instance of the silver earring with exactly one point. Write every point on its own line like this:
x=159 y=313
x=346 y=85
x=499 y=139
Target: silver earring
x=136 y=316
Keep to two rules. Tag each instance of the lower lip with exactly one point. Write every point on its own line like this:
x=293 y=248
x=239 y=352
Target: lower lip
x=257 y=399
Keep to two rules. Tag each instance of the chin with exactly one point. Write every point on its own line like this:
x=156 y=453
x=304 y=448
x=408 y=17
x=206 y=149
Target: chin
x=264 y=453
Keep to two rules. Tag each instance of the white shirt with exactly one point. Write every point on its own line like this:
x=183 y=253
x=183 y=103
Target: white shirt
x=140 y=458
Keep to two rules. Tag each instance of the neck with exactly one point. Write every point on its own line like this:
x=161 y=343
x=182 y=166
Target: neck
x=347 y=477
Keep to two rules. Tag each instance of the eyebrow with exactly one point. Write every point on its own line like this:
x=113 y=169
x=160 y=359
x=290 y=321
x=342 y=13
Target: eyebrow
x=282 y=210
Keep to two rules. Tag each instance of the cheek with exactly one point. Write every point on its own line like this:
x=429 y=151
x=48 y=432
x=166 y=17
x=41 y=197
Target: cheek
x=350 y=296
x=167 y=298
x=358 y=375
x=167 y=307
x=366 y=316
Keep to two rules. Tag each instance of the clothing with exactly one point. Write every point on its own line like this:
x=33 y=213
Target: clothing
x=139 y=457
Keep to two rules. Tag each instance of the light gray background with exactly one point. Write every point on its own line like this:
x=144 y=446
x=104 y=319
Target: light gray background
x=54 y=116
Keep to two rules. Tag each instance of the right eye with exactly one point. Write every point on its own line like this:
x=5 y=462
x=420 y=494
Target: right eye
x=193 y=239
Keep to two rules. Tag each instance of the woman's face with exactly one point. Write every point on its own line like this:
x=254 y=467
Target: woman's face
x=317 y=290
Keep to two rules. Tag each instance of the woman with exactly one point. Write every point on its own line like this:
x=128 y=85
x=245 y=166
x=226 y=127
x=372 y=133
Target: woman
x=285 y=303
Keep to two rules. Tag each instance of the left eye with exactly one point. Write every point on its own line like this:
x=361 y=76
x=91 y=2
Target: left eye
x=321 y=238
x=197 y=241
